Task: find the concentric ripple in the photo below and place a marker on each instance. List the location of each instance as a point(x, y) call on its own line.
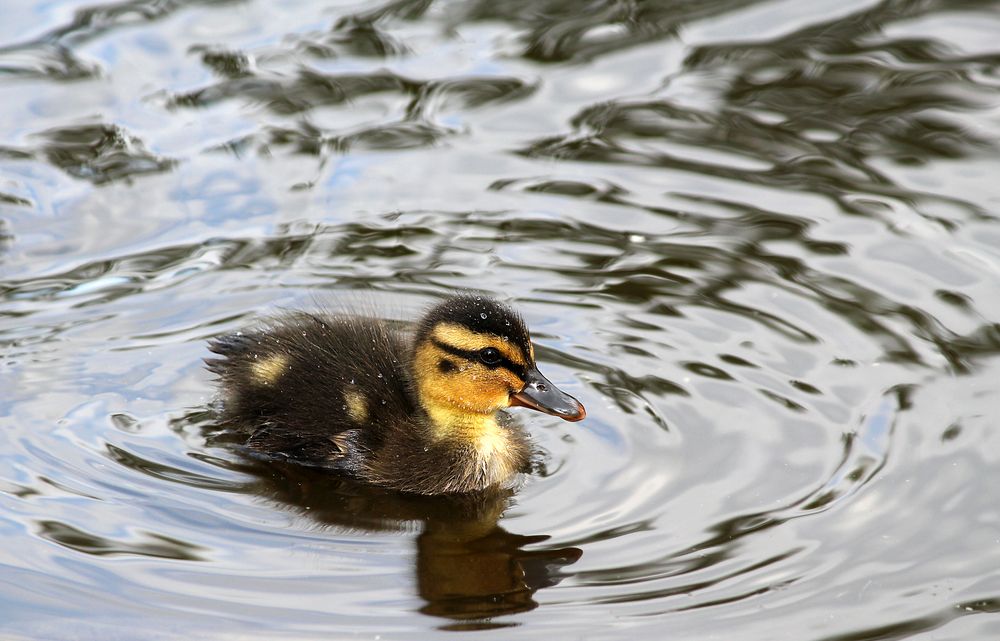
point(758, 240)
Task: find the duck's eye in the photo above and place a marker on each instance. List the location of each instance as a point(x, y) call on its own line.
point(490, 355)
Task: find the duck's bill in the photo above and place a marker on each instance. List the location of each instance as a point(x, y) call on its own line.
point(541, 395)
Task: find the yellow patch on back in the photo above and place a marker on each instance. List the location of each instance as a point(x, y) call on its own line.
point(269, 369)
point(464, 338)
point(357, 407)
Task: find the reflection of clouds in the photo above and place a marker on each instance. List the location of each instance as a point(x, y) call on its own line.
point(723, 213)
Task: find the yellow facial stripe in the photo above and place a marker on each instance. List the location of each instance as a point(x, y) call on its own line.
point(269, 369)
point(470, 341)
point(470, 389)
point(357, 408)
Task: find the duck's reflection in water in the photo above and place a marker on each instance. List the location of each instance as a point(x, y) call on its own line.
point(468, 568)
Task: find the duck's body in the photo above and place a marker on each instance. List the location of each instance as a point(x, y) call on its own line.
point(417, 414)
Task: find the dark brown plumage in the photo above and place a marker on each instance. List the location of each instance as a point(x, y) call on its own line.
point(414, 414)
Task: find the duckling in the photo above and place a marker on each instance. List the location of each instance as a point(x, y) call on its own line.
point(419, 413)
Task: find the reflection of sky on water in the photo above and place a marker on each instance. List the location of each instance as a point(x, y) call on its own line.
point(757, 240)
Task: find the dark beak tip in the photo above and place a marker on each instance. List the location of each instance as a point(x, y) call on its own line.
point(571, 414)
point(579, 415)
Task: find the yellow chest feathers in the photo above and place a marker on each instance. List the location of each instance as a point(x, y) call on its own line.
point(495, 455)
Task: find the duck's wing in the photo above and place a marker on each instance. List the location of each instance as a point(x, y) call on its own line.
point(314, 388)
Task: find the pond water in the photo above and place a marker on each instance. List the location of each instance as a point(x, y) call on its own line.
point(758, 239)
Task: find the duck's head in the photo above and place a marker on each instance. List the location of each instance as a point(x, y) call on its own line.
point(473, 356)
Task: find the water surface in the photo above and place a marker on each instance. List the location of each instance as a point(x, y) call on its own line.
point(758, 239)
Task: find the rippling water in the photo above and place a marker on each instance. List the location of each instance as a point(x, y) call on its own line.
point(758, 239)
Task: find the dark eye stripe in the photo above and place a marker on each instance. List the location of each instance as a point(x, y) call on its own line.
point(504, 362)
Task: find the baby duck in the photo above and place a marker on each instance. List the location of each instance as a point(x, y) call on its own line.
point(418, 414)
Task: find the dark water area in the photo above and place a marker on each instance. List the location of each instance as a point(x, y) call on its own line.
point(758, 239)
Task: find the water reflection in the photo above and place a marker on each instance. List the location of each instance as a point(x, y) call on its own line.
point(761, 233)
point(154, 545)
point(468, 568)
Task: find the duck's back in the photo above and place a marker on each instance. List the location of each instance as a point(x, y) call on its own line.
point(315, 388)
